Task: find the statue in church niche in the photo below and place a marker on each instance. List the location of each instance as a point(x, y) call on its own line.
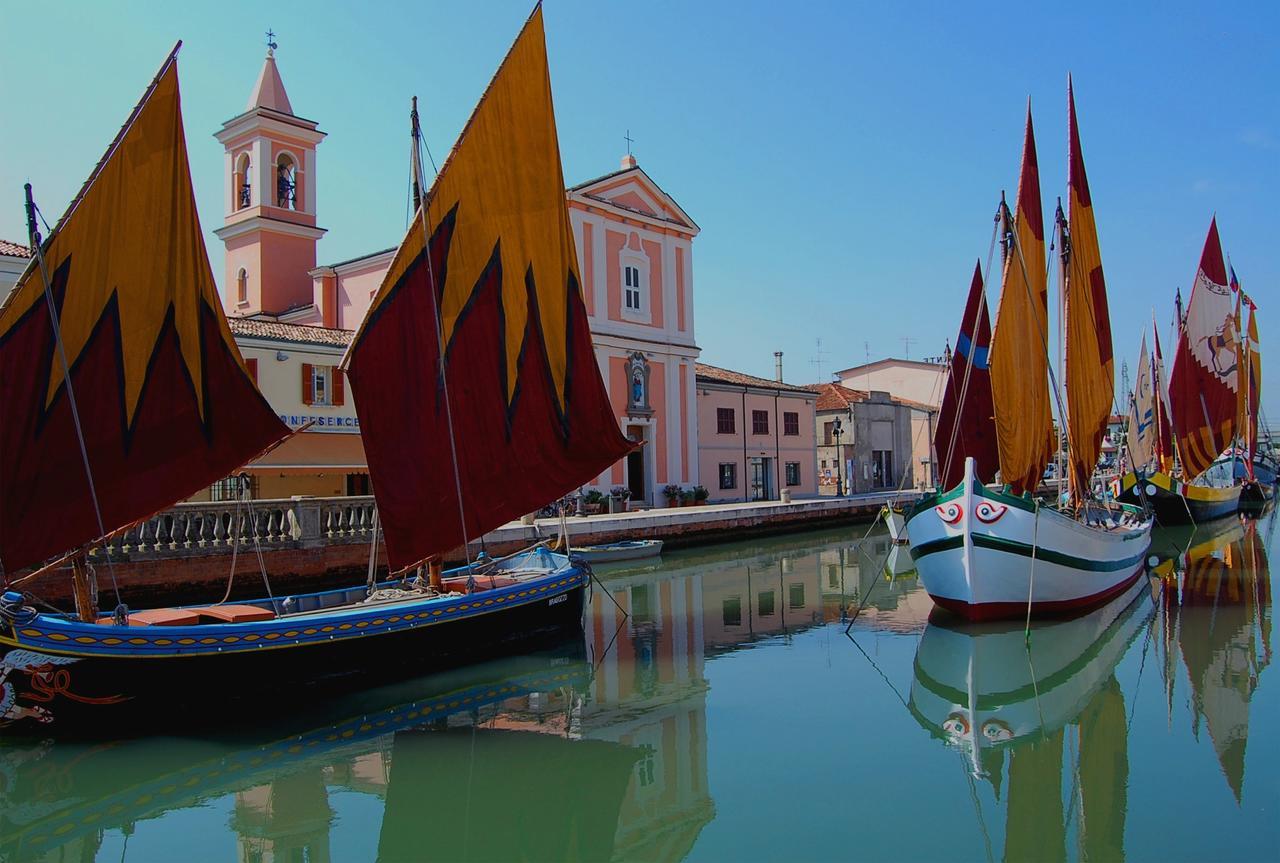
point(638, 387)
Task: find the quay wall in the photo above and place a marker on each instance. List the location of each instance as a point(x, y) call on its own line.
point(311, 544)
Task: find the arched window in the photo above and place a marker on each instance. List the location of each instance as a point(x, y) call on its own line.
point(242, 286)
point(243, 188)
point(286, 183)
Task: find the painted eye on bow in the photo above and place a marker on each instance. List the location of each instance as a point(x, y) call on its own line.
point(996, 731)
point(957, 725)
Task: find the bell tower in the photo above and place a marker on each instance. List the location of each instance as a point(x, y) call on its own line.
point(269, 229)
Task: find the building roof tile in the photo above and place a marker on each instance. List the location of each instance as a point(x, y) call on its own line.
point(259, 329)
point(14, 250)
point(715, 374)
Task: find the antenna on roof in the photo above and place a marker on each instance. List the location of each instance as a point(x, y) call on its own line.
point(907, 341)
point(271, 43)
point(817, 360)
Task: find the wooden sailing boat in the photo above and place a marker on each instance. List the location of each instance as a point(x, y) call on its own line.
point(166, 407)
point(1253, 461)
point(1204, 404)
point(986, 552)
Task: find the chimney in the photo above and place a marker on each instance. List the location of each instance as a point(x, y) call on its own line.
point(777, 366)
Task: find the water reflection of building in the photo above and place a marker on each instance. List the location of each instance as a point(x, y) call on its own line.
point(284, 820)
point(649, 693)
point(761, 597)
point(1216, 612)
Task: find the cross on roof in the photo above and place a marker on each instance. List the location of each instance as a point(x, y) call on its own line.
point(630, 140)
point(271, 40)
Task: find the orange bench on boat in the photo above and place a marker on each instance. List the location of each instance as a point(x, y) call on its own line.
point(234, 613)
point(160, 617)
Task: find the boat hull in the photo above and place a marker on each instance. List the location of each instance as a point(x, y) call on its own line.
point(72, 685)
point(896, 521)
point(1176, 502)
point(985, 555)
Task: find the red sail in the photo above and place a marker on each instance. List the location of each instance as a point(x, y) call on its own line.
point(165, 402)
point(966, 421)
point(1204, 384)
point(530, 417)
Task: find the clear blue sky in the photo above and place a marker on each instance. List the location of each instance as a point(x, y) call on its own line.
point(843, 160)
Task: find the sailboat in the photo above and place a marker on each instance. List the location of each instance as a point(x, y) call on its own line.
point(1252, 462)
point(1204, 404)
point(984, 551)
point(158, 404)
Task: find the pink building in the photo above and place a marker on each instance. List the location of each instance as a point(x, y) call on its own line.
point(635, 254)
point(756, 436)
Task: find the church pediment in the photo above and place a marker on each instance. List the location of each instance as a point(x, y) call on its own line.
point(633, 191)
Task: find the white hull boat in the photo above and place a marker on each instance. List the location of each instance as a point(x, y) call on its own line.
point(986, 555)
point(614, 552)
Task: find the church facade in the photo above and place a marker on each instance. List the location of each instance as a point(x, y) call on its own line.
point(635, 255)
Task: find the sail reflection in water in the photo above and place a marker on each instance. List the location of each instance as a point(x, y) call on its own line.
point(1215, 613)
point(1045, 721)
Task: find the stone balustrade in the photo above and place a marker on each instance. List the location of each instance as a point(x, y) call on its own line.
point(214, 527)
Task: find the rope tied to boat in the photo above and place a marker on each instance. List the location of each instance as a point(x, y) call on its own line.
point(14, 610)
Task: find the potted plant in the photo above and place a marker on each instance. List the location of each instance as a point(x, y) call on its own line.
point(686, 497)
point(592, 502)
point(700, 495)
point(618, 497)
point(672, 494)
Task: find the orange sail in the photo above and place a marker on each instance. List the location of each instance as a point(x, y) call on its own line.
point(1253, 382)
point(1019, 361)
point(474, 374)
point(1089, 366)
point(164, 400)
point(1205, 383)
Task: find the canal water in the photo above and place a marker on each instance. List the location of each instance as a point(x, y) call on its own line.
point(716, 709)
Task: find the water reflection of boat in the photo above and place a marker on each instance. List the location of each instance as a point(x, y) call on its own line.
point(983, 690)
point(1216, 613)
point(60, 798)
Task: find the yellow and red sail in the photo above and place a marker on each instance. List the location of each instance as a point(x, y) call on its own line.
point(1089, 364)
point(530, 417)
point(164, 400)
point(1204, 385)
point(1019, 361)
point(1253, 381)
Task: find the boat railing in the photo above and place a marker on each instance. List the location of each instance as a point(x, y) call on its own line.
point(216, 527)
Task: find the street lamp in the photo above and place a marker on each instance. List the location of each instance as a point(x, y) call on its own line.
point(836, 432)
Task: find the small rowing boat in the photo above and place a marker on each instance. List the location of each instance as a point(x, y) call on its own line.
point(613, 552)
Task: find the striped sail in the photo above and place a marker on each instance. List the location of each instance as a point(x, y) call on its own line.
point(1204, 385)
point(1019, 361)
point(1142, 414)
point(1089, 365)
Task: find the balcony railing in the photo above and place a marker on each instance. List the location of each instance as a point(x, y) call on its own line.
point(213, 528)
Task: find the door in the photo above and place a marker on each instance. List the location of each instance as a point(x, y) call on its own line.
point(761, 487)
point(636, 467)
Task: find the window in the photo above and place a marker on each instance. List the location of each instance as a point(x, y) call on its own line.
point(766, 603)
point(728, 475)
point(631, 294)
point(358, 484)
point(790, 423)
point(824, 464)
point(881, 468)
point(234, 487)
point(793, 473)
point(833, 577)
point(322, 385)
point(243, 188)
point(759, 422)
point(641, 604)
point(286, 183)
point(724, 421)
point(796, 597)
point(242, 287)
point(828, 433)
point(731, 610)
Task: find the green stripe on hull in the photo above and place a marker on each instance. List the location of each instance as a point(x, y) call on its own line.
point(1009, 546)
